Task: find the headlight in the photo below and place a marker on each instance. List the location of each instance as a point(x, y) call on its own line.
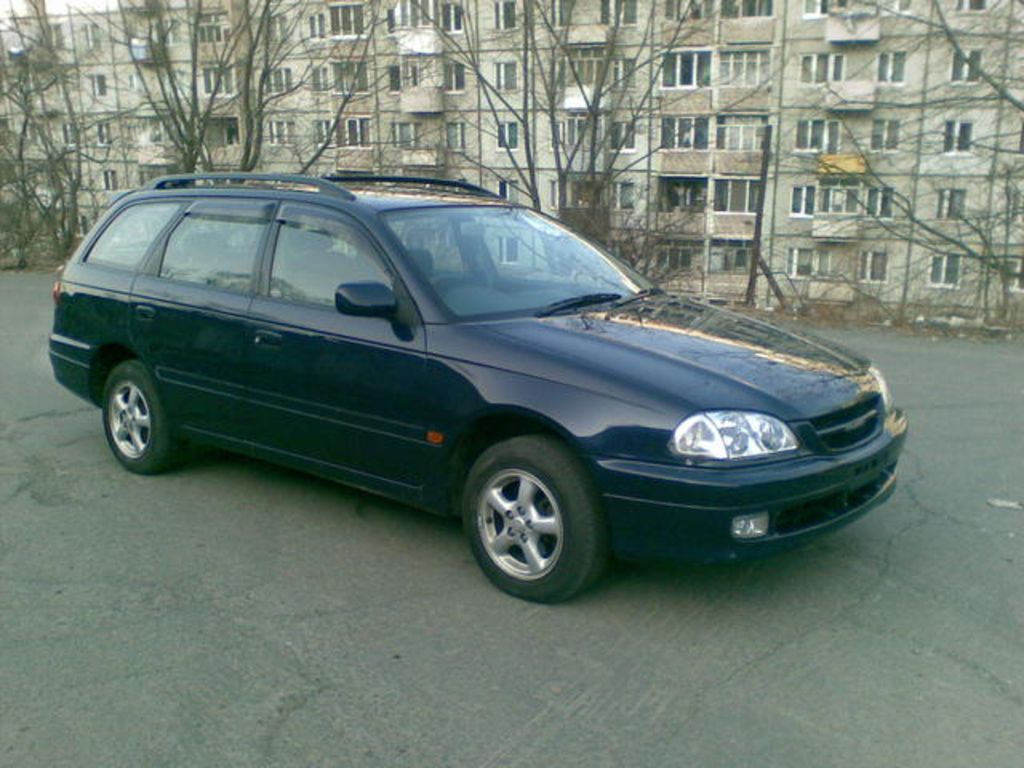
point(731, 435)
point(883, 388)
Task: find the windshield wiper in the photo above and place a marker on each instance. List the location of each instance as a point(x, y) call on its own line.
point(653, 291)
point(575, 302)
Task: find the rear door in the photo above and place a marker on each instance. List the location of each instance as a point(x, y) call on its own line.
point(188, 311)
point(342, 393)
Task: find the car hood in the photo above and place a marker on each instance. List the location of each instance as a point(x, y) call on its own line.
point(696, 356)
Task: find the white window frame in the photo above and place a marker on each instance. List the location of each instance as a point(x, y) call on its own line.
point(453, 17)
point(322, 132)
point(831, 136)
point(952, 204)
point(625, 195)
point(454, 76)
point(360, 127)
point(744, 69)
point(685, 127)
point(739, 133)
point(412, 141)
point(348, 20)
point(318, 26)
point(280, 80)
point(892, 68)
point(750, 201)
point(802, 201)
point(280, 132)
point(508, 136)
point(623, 136)
point(819, 263)
point(882, 129)
point(110, 180)
point(504, 17)
point(944, 261)
point(839, 197)
point(506, 76)
point(822, 68)
point(880, 202)
point(966, 69)
point(457, 130)
point(955, 133)
point(104, 134)
point(701, 62)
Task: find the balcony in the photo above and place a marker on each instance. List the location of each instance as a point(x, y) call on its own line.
point(415, 157)
point(852, 28)
point(685, 162)
point(851, 96)
point(577, 98)
point(422, 100)
point(748, 30)
point(842, 164)
point(140, 51)
point(733, 226)
point(419, 41)
point(682, 223)
point(836, 229)
point(738, 163)
point(587, 34)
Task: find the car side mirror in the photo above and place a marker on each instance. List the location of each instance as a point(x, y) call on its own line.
point(366, 299)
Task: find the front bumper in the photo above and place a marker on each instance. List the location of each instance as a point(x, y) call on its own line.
point(668, 511)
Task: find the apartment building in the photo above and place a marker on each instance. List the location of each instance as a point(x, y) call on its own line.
point(892, 177)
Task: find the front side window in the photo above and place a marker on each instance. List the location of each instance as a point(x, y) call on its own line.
point(314, 254)
point(125, 241)
point(213, 249)
point(490, 260)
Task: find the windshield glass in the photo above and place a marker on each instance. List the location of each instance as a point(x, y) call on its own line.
point(490, 260)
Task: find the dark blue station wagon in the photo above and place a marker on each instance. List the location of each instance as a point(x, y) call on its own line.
point(435, 344)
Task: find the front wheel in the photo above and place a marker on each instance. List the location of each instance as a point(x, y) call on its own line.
point(533, 520)
point(137, 428)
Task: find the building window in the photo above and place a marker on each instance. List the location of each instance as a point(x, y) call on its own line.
point(737, 9)
point(970, 5)
point(322, 131)
point(280, 131)
point(686, 69)
point(822, 68)
point(218, 81)
point(454, 76)
point(394, 78)
point(103, 134)
point(945, 271)
point(68, 132)
point(952, 203)
point(684, 133)
point(807, 262)
point(623, 74)
point(508, 135)
point(505, 76)
point(743, 68)
point(729, 256)
point(625, 195)
point(688, 194)
point(874, 267)
point(618, 11)
point(586, 64)
point(885, 134)
point(318, 26)
point(347, 20)
point(678, 257)
point(817, 135)
point(892, 67)
point(736, 195)
point(740, 132)
point(404, 135)
point(213, 28)
point(623, 136)
point(356, 132)
point(411, 14)
point(99, 85)
point(816, 7)
point(957, 136)
point(93, 35)
point(803, 201)
point(452, 17)
point(966, 67)
point(279, 29)
point(280, 80)
point(505, 14)
point(879, 202)
point(839, 196)
point(1015, 268)
point(455, 135)
point(110, 180)
point(351, 77)
point(320, 79)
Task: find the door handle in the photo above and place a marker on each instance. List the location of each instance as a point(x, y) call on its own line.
point(267, 339)
point(144, 312)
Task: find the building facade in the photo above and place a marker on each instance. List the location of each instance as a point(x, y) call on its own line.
point(891, 178)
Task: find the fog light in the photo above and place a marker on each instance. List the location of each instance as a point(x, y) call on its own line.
point(750, 526)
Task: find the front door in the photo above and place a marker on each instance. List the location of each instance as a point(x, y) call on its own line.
point(338, 392)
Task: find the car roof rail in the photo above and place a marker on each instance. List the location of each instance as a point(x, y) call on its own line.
point(465, 187)
point(292, 181)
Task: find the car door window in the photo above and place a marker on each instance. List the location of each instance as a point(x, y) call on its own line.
point(316, 253)
point(126, 239)
point(214, 249)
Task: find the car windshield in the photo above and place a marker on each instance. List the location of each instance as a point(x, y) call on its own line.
point(494, 260)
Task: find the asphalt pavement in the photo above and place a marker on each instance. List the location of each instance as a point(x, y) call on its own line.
point(232, 613)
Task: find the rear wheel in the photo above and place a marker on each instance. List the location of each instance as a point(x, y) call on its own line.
point(533, 520)
point(137, 428)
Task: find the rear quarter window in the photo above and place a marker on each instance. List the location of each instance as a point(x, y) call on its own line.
point(127, 238)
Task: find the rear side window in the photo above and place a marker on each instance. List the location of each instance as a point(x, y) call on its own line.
point(214, 250)
point(125, 241)
point(315, 254)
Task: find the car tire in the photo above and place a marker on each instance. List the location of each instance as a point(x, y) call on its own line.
point(137, 428)
point(534, 520)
